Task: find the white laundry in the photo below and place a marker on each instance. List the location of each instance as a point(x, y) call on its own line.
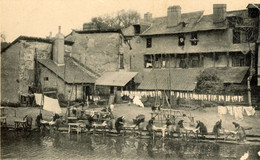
point(222, 110)
point(38, 98)
point(238, 113)
point(230, 110)
point(51, 104)
point(250, 111)
point(131, 96)
point(138, 102)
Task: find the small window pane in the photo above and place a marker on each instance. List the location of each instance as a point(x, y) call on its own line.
point(181, 40)
point(148, 42)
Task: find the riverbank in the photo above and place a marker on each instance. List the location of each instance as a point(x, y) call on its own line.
point(208, 116)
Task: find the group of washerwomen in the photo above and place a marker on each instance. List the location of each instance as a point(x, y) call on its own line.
point(201, 128)
point(119, 124)
point(56, 121)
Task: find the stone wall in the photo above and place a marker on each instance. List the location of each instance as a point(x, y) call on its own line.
point(99, 51)
point(10, 74)
point(68, 90)
point(27, 63)
point(18, 67)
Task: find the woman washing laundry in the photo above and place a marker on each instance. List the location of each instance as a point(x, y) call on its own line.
point(202, 128)
point(180, 127)
point(240, 132)
point(149, 126)
point(119, 123)
point(217, 127)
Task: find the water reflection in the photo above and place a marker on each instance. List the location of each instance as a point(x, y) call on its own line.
point(45, 145)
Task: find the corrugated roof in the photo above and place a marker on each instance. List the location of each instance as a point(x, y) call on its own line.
point(74, 73)
point(115, 78)
point(231, 74)
point(181, 79)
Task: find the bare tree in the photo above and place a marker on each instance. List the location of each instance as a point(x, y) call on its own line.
point(120, 20)
point(3, 37)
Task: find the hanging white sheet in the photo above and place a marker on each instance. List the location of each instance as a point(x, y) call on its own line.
point(250, 111)
point(38, 98)
point(51, 105)
point(222, 110)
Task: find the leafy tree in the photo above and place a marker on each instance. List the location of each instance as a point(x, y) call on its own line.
point(121, 19)
point(209, 83)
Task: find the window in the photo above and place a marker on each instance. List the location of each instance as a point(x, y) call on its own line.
point(238, 60)
point(236, 36)
point(46, 78)
point(194, 39)
point(137, 29)
point(183, 63)
point(242, 62)
point(121, 61)
point(244, 36)
point(148, 42)
point(164, 61)
point(194, 61)
point(181, 40)
point(148, 61)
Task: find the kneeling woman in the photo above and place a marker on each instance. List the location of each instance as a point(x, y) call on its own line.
point(119, 123)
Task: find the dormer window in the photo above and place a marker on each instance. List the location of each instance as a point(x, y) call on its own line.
point(181, 40)
point(137, 29)
point(149, 43)
point(194, 39)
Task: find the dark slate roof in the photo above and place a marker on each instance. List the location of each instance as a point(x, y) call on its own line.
point(231, 74)
point(195, 21)
point(4, 45)
point(253, 6)
point(74, 73)
point(97, 31)
point(186, 79)
point(34, 39)
point(181, 79)
point(130, 31)
point(94, 31)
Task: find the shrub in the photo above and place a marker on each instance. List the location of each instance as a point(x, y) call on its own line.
point(209, 83)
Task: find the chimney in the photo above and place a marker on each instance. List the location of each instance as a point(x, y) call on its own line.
point(58, 48)
point(148, 17)
point(89, 26)
point(219, 13)
point(173, 16)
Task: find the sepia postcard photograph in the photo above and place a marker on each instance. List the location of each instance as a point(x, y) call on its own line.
point(130, 79)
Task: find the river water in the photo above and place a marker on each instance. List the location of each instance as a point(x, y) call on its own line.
point(56, 145)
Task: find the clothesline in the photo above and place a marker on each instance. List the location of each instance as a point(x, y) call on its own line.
point(185, 95)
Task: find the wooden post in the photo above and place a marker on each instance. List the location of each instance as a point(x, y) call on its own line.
point(227, 56)
point(200, 60)
point(170, 88)
point(175, 60)
point(245, 64)
point(214, 59)
point(187, 60)
point(76, 88)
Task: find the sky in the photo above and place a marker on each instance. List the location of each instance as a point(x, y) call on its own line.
point(38, 18)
